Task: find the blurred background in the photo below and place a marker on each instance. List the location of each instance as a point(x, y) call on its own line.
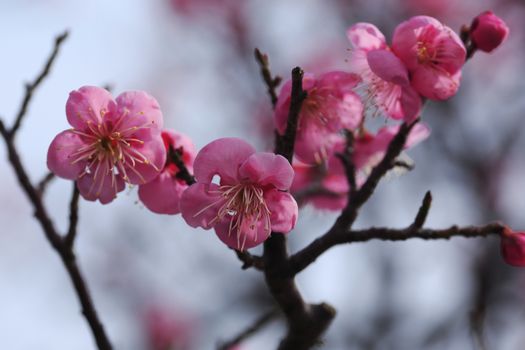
point(160, 285)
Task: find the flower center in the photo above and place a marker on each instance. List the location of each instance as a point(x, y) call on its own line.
point(424, 54)
point(245, 208)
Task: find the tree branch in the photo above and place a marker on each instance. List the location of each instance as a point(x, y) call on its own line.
point(250, 260)
point(422, 213)
point(42, 184)
point(300, 260)
point(271, 82)
point(30, 88)
point(69, 239)
point(175, 155)
point(251, 330)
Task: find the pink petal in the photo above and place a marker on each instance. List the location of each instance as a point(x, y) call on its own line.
point(222, 157)
point(513, 247)
point(366, 36)
point(200, 204)
point(313, 145)
point(404, 41)
point(434, 84)
point(252, 233)
point(410, 104)
point(103, 188)
point(162, 194)
point(178, 140)
point(342, 82)
point(387, 66)
point(265, 168)
point(137, 109)
point(155, 153)
point(59, 155)
point(284, 210)
point(86, 105)
point(420, 132)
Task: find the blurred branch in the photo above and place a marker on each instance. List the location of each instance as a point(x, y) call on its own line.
point(34, 195)
point(176, 157)
point(30, 88)
point(251, 330)
point(42, 184)
point(271, 82)
point(422, 213)
point(348, 163)
point(250, 260)
point(69, 239)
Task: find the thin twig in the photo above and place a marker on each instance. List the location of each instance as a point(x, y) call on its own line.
point(271, 82)
point(42, 184)
point(422, 213)
point(250, 260)
point(251, 330)
point(30, 88)
point(347, 159)
point(69, 239)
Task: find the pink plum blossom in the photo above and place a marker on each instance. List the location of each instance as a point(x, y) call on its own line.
point(330, 107)
point(111, 142)
point(162, 194)
point(386, 85)
point(326, 186)
point(433, 54)
point(248, 202)
point(165, 330)
point(488, 31)
point(513, 247)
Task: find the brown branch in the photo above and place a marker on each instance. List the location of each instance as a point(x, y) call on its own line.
point(175, 155)
point(285, 143)
point(66, 254)
point(250, 260)
point(271, 82)
point(302, 259)
point(422, 213)
point(69, 239)
point(42, 184)
point(306, 322)
point(34, 195)
point(347, 159)
point(30, 88)
point(251, 330)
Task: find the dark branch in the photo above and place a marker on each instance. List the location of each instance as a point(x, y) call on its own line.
point(175, 155)
point(271, 81)
point(422, 213)
point(250, 260)
point(69, 239)
point(286, 142)
point(251, 330)
point(30, 88)
point(42, 184)
point(347, 159)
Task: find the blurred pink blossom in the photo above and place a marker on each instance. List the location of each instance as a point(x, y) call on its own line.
point(386, 85)
point(433, 54)
point(248, 202)
point(326, 186)
point(330, 107)
point(162, 194)
point(111, 142)
point(165, 331)
point(488, 31)
point(513, 247)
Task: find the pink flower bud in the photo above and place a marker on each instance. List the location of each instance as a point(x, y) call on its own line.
point(513, 247)
point(488, 31)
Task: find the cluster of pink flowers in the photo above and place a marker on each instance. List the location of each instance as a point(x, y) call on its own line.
point(243, 194)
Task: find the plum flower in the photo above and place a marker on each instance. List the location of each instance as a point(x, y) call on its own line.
point(488, 31)
point(513, 247)
point(111, 142)
point(248, 202)
point(331, 106)
point(326, 186)
point(386, 85)
point(162, 194)
point(433, 54)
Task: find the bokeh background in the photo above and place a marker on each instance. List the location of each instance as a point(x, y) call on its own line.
point(153, 277)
